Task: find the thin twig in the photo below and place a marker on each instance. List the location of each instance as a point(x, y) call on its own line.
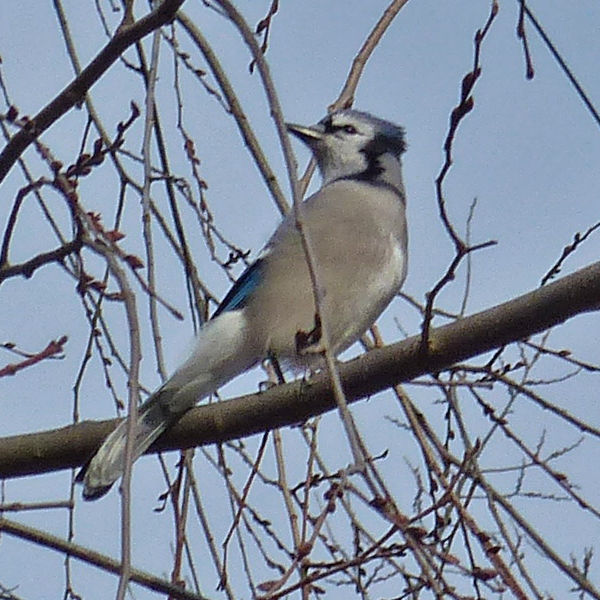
point(149, 122)
point(463, 108)
point(237, 111)
point(133, 385)
point(563, 65)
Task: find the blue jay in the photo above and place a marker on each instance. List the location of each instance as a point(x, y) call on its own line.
point(357, 227)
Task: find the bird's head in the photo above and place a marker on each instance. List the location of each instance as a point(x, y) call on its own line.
point(352, 144)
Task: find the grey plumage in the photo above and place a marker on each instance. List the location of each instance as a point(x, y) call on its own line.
point(357, 227)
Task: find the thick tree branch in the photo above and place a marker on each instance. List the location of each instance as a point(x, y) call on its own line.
point(75, 92)
point(287, 404)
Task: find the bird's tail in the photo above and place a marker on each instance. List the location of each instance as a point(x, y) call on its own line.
point(107, 465)
point(223, 351)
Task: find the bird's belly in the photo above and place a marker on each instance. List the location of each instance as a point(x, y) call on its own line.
point(346, 313)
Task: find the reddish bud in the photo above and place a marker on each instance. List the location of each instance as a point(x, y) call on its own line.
point(484, 574)
point(114, 235)
point(133, 261)
point(417, 532)
point(12, 114)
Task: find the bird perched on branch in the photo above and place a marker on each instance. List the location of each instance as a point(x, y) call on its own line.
point(356, 226)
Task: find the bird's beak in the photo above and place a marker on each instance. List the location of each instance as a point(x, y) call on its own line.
point(310, 135)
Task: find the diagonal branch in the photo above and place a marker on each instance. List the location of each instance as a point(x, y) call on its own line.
point(288, 404)
point(75, 92)
point(92, 557)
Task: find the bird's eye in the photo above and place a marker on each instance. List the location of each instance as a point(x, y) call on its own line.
point(350, 129)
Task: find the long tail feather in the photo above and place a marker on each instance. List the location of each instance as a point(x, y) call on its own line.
point(223, 351)
point(107, 465)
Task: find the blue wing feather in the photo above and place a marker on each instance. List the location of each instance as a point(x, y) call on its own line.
point(242, 289)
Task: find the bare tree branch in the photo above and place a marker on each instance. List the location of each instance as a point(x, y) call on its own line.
point(94, 558)
point(75, 92)
point(283, 405)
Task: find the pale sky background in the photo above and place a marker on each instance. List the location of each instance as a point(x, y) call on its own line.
point(529, 153)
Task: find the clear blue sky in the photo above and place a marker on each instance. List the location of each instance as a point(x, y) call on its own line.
point(528, 153)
